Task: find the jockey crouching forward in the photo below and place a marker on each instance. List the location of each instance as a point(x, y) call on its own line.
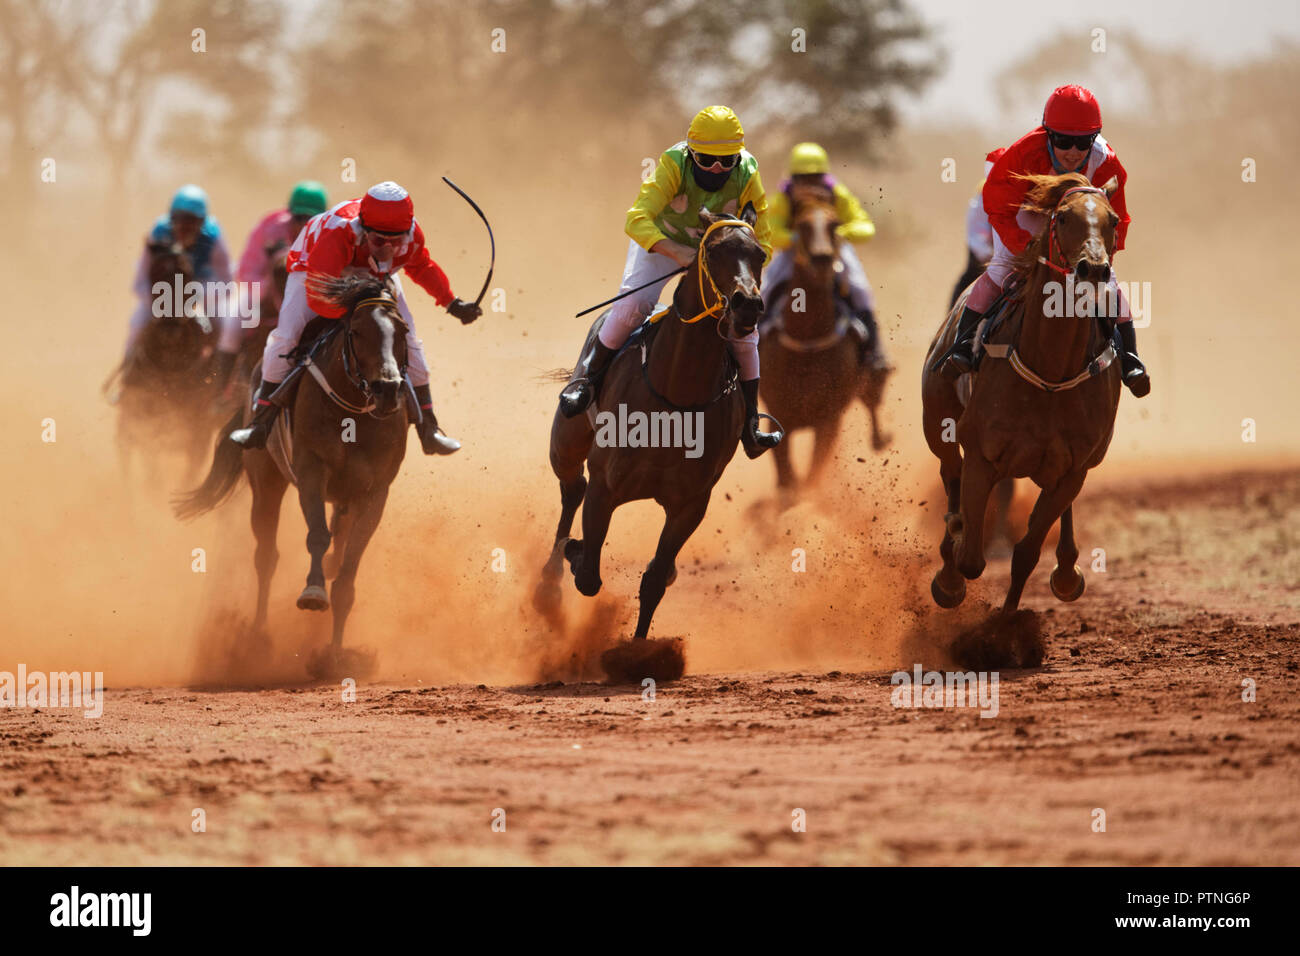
point(189, 226)
point(1069, 140)
point(811, 166)
point(376, 234)
point(711, 168)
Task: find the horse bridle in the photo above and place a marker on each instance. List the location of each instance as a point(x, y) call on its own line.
point(350, 361)
point(1053, 243)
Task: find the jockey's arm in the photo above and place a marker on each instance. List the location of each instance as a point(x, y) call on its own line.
point(855, 222)
point(656, 193)
point(753, 193)
point(426, 273)
point(778, 216)
point(1002, 197)
point(331, 254)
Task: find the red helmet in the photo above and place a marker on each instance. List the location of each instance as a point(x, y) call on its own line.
point(1072, 109)
point(387, 207)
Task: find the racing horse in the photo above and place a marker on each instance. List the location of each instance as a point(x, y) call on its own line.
point(810, 358)
point(344, 444)
point(164, 384)
point(1042, 403)
point(684, 370)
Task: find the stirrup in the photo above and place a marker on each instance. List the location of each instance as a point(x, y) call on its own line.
point(756, 441)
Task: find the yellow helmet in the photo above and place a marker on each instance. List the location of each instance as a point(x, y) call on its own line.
point(809, 158)
point(716, 131)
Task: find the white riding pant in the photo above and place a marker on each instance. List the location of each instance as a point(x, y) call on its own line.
point(629, 312)
point(295, 314)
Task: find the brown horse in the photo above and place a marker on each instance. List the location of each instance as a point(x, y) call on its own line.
point(165, 384)
point(1042, 404)
point(685, 374)
point(810, 356)
point(348, 438)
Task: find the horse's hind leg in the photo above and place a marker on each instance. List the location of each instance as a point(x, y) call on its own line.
point(1050, 506)
point(268, 494)
point(1066, 580)
point(679, 526)
point(340, 526)
point(344, 591)
point(311, 496)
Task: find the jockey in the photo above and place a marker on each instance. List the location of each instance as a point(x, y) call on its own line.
point(979, 233)
point(710, 168)
point(810, 166)
point(279, 229)
point(379, 234)
point(189, 226)
point(1068, 140)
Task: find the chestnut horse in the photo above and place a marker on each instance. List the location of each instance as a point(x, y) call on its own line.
point(686, 369)
point(810, 358)
point(1042, 403)
point(348, 439)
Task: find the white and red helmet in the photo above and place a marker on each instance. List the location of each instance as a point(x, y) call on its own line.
point(387, 207)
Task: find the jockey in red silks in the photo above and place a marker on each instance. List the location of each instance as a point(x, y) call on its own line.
point(1069, 140)
point(378, 234)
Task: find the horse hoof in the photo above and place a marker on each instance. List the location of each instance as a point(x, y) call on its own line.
point(945, 599)
point(313, 598)
point(1067, 594)
point(572, 550)
point(587, 586)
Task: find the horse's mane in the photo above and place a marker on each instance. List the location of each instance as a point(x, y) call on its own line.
point(346, 291)
point(1045, 192)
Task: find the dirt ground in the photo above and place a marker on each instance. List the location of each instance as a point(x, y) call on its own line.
point(1137, 710)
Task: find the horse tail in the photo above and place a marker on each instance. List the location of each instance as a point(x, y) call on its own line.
point(223, 476)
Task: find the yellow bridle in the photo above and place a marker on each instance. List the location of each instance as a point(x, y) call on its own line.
point(705, 274)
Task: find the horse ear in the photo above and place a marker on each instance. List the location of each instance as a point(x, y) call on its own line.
point(749, 214)
point(1111, 187)
point(707, 217)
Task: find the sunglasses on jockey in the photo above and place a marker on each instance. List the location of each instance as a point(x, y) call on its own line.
point(714, 164)
point(381, 238)
point(1068, 141)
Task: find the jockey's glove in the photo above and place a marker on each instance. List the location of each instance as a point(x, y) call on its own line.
point(467, 312)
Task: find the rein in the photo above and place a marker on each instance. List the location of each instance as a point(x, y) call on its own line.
point(1052, 241)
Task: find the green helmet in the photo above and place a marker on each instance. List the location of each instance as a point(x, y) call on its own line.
point(308, 199)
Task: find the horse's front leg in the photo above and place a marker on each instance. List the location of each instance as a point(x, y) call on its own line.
point(311, 496)
point(827, 435)
point(1067, 580)
point(1051, 505)
point(978, 476)
point(361, 528)
point(679, 525)
point(584, 555)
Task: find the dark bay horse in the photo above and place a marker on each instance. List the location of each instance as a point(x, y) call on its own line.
point(686, 370)
point(347, 441)
point(165, 388)
point(810, 358)
point(1041, 404)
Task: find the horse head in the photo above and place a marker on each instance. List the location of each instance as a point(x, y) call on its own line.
point(813, 223)
point(374, 341)
point(1080, 234)
point(732, 261)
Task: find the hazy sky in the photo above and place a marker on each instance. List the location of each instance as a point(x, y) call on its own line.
point(982, 36)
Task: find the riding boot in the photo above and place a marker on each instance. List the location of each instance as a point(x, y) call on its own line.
point(255, 434)
point(1135, 373)
point(755, 441)
point(578, 395)
point(870, 354)
point(961, 358)
point(432, 439)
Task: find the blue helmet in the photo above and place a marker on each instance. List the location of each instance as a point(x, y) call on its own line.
point(190, 199)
